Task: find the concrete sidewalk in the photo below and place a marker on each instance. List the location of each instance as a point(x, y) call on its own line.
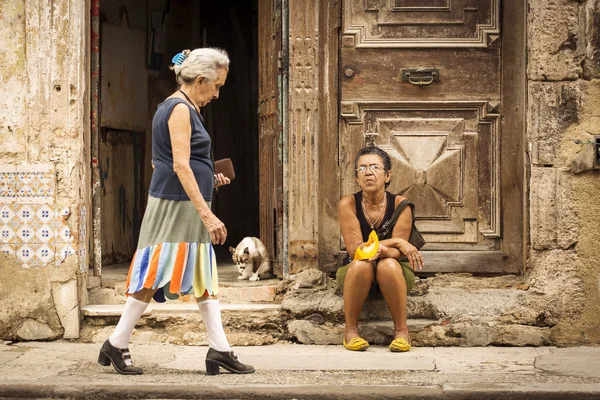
point(291, 371)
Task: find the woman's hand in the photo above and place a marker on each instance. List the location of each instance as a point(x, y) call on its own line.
point(214, 226)
point(412, 253)
point(221, 180)
point(380, 250)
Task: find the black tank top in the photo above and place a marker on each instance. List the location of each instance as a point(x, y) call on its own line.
point(365, 227)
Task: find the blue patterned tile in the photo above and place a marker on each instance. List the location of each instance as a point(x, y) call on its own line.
point(35, 184)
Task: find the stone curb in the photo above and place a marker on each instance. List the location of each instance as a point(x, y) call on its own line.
point(91, 390)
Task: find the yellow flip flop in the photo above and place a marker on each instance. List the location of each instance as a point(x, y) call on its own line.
point(356, 344)
point(399, 345)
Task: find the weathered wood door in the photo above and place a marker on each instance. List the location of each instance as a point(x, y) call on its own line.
point(270, 129)
point(430, 82)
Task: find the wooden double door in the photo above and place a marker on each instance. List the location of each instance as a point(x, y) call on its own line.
point(439, 85)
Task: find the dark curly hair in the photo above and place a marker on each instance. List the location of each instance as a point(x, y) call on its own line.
point(385, 157)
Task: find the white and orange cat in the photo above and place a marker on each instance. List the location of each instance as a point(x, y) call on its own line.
point(251, 259)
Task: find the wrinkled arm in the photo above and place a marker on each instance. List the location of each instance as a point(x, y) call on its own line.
point(180, 131)
point(400, 236)
point(349, 225)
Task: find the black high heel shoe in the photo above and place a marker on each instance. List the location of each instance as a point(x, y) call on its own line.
point(227, 360)
point(109, 353)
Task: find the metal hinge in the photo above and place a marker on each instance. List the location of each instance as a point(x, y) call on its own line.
point(280, 59)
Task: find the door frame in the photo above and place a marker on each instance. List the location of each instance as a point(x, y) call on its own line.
point(273, 131)
point(513, 184)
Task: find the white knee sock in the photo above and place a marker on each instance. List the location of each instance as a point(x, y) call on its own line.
point(132, 312)
point(211, 315)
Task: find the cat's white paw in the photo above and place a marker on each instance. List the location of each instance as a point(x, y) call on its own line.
point(241, 278)
point(254, 278)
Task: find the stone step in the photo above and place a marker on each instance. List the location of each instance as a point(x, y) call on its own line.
point(484, 305)
point(375, 332)
point(181, 323)
point(426, 332)
point(245, 324)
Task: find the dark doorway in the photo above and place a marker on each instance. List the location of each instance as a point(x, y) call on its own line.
point(130, 91)
point(233, 119)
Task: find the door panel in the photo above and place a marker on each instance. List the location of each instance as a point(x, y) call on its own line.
point(420, 23)
point(422, 80)
point(269, 109)
point(377, 73)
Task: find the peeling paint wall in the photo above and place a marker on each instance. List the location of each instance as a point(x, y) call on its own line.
point(12, 75)
point(44, 146)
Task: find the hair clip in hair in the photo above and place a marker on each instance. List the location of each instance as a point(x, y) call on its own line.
point(179, 59)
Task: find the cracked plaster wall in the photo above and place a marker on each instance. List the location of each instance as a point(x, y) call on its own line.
point(44, 175)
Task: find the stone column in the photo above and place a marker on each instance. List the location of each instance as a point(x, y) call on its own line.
point(303, 145)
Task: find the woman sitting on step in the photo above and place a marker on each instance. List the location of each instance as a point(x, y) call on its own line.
point(360, 213)
point(175, 250)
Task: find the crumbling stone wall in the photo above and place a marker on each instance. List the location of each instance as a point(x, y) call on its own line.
point(44, 175)
point(564, 192)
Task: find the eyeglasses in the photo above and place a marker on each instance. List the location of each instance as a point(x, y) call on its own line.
point(373, 167)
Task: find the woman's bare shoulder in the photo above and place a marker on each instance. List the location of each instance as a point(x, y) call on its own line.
point(399, 199)
point(180, 114)
point(347, 202)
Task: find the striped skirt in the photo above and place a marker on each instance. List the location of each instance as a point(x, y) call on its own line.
point(174, 254)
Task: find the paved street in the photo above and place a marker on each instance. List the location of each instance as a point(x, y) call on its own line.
point(290, 371)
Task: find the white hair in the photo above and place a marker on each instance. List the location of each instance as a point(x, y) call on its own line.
point(205, 62)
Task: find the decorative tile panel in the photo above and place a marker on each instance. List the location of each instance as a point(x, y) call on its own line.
point(45, 254)
point(7, 184)
point(30, 226)
point(63, 251)
point(35, 184)
point(26, 255)
point(7, 248)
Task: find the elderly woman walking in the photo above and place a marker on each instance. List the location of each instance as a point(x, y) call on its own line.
point(175, 254)
point(386, 272)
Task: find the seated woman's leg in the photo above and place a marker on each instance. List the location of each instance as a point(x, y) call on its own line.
point(358, 281)
point(392, 284)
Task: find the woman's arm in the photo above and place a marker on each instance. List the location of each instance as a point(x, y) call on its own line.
point(349, 224)
point(180, 131)
point(398, 244)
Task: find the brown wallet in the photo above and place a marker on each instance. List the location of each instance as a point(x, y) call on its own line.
point(225, 166)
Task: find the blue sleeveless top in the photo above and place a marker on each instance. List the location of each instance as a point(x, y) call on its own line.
point(165, 184)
